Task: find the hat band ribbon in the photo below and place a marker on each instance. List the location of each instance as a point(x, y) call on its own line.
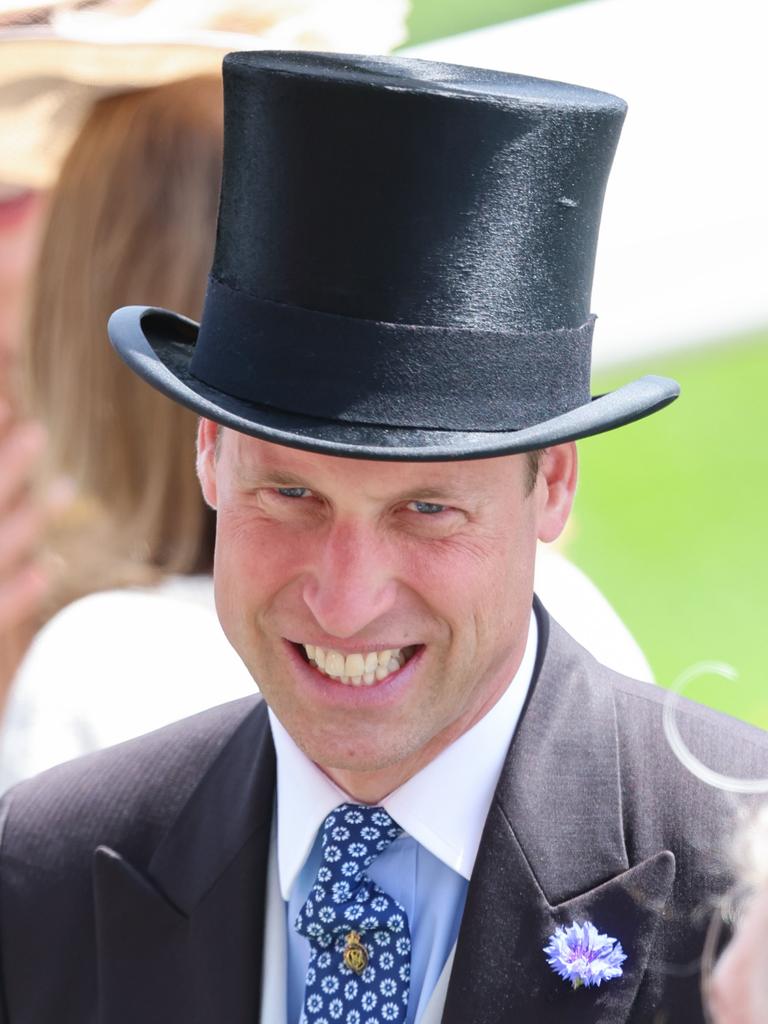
point(390, 374)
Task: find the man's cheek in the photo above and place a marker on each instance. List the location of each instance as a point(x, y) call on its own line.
point(253, 555)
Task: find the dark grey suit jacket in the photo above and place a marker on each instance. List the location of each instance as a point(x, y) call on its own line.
point(132, 881)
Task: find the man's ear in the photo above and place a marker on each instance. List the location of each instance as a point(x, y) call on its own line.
point(556, 489)
point(207, 451)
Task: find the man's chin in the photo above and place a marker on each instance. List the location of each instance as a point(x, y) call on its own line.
point(337, 757)
point(340, 757)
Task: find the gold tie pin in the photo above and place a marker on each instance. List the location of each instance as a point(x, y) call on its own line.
point(355, 953)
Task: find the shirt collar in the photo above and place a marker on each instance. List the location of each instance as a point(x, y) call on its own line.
point(444, 806)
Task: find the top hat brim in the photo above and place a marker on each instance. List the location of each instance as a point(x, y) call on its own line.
point(158, 345)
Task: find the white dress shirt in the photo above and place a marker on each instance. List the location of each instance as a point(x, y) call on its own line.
point(442, 811)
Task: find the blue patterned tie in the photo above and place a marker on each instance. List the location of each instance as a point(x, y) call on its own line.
point(360, 943)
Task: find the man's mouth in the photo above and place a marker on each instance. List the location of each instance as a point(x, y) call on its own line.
point(363, 668)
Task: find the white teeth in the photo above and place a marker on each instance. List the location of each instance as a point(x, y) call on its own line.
point(358, 669)
point(334, 663)
point(371, 661)
point(355, 665)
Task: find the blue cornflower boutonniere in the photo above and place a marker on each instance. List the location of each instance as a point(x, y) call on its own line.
point(581, 955)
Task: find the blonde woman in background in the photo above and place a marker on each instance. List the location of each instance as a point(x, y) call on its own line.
point(146, 163)
point(22, 577)
point(137, 536)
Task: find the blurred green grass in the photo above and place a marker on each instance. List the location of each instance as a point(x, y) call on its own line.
point(433, 19)
point(670, 521)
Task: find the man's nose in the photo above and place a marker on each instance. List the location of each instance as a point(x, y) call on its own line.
point(350, 585)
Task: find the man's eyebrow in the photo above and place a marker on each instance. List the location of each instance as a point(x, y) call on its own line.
point(448, 495)
point(265, 476)
point(426, 493)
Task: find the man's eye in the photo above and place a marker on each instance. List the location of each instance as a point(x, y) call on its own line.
point(293, 492)
point(426, 508)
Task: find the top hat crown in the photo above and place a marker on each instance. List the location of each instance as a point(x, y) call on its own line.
point(403, 264)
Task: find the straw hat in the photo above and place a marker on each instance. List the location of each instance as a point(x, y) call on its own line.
point(58, 58)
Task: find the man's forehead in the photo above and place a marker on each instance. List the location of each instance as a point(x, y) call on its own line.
point(255, 457)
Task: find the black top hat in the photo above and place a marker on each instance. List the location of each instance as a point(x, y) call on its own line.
point(403, 265)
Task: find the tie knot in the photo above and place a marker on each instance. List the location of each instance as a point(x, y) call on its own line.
point(359, 937)
point(343, 896)
point(353, 836)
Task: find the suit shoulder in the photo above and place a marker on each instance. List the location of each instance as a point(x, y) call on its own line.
point(639, 702)
point(127, 794)
point(646, 714)
point(671, 751)
point(729, 740)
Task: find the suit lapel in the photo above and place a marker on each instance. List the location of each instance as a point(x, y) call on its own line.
point(553, 851)
point(183, 939)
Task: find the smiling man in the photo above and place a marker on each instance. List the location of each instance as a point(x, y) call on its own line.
point(436, 782)
point(383, 606)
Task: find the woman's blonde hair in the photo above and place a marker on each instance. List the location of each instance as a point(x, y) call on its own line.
point(132, 220)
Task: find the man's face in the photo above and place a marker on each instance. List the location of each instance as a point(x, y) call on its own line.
point(432, 562)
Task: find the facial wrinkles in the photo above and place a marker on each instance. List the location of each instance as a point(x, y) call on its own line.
point(353, 574)
point(387, 483)
point(351, 560)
